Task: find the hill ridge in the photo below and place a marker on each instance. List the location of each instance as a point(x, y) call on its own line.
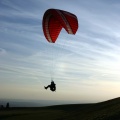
point(106, 110)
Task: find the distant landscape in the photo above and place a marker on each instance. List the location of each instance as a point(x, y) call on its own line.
point(106, 110)
point(34, 103)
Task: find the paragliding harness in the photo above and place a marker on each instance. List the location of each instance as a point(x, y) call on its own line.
point(52, 86)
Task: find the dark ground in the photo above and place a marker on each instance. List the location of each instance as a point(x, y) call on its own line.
point(108, 110)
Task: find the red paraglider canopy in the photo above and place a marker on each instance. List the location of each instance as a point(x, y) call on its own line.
point(54, 20)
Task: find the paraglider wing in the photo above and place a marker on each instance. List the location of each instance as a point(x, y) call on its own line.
point(54, 20)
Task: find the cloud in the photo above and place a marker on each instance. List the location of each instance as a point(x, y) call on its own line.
point(85, 61)
point(2, 51)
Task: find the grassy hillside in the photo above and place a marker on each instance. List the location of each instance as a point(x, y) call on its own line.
point(108, 110)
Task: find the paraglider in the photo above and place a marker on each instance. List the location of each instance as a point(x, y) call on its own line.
point(54, 20)
point(52, 86)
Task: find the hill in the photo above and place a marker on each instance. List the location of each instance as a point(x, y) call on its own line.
point(107, 110)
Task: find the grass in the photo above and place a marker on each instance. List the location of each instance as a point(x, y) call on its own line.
point(30, 114)
point(108, 110)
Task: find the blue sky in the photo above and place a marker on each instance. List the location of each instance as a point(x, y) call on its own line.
point(84, 66)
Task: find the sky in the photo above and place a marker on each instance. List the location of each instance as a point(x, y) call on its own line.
point(84, 66)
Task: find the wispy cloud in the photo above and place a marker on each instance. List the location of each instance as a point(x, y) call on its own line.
point(89, 58)
point(2, 51)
